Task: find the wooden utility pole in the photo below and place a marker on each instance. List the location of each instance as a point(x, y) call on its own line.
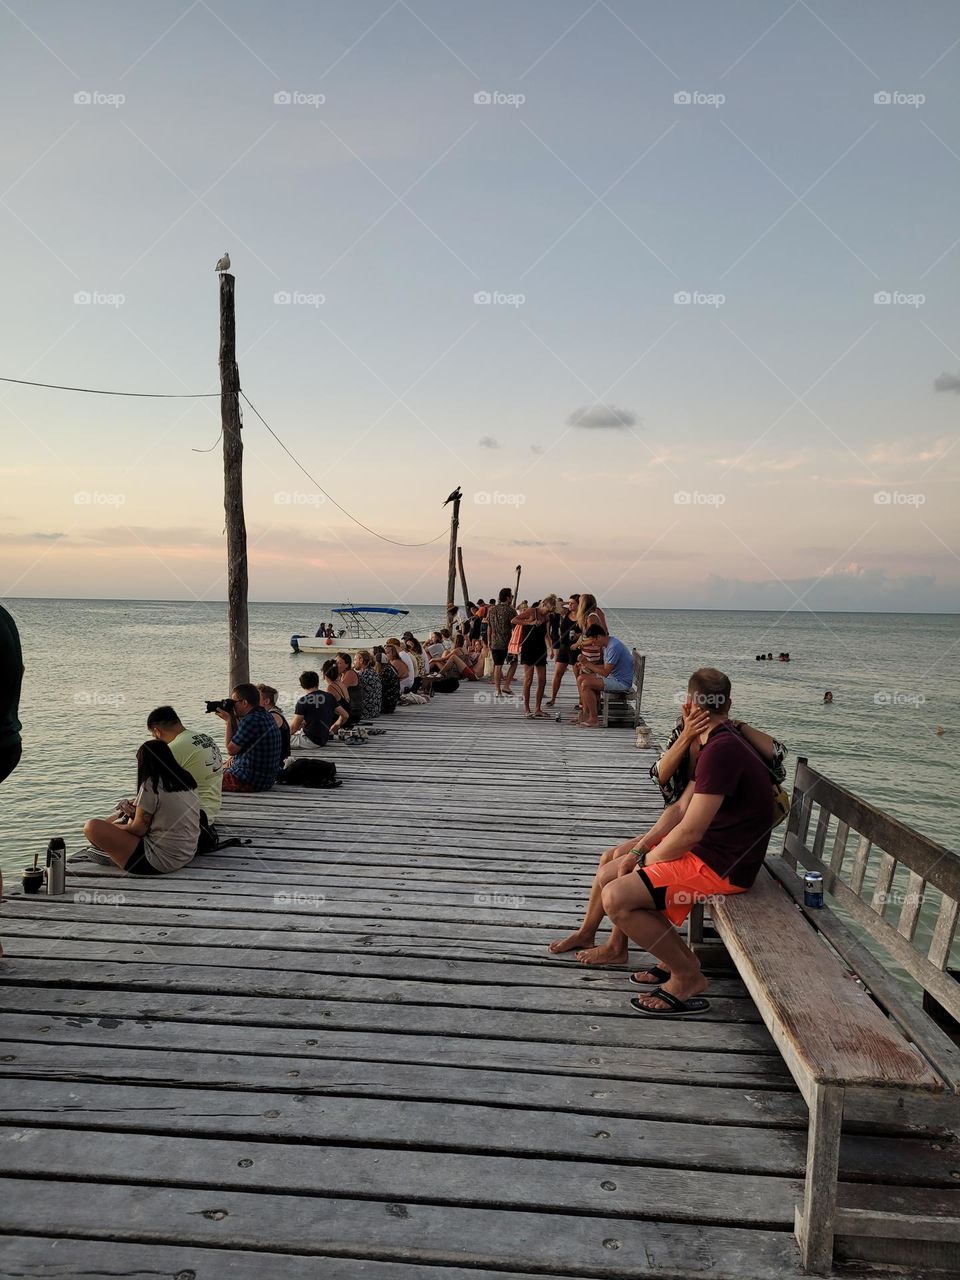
point(516, 589)
point(463, 578)
point(452, 562)
point(239, 630)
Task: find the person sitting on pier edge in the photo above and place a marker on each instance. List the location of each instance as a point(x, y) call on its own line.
point(401, 662)
point(389, 683)
point(253, 742)
point(195, 752)
point(456, 663)
point(371, 690)
point(158, 832)
point(315, 711)
point(613, 674)
point(712, 841)
point(331, 673)
point(268, 700)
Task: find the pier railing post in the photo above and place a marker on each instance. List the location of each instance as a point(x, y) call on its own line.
point(237, 621)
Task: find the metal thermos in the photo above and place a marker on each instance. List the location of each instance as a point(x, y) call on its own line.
point(56, 866)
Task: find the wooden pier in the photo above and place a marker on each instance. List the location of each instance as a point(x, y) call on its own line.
point(344, 1050)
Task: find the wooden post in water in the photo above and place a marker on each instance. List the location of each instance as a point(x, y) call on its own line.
point(516, 589)
point(463, 577)
point(238, 625)
point(452, 561)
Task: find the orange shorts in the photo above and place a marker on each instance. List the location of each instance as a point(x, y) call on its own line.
point(679, 885)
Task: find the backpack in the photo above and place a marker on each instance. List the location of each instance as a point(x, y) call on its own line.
point(310, 773)
point(209, 841)
point(447, 684)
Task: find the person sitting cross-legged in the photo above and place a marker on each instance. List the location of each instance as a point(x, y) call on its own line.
point(711, 842)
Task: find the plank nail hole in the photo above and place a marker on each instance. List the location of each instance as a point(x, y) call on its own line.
point(313, 1042)
point(611, 1244)
point(271, 1115)
point(293, 1074)
point(245, 1163)
point(594, 1026)
point(9, 1057)
point(595, 1062)
point(185, 1275)
point(955, 1173)
point(215, 1215)
point(398, 1211)
point(600, 1093)
point(601, 1133)
point(608, 1186)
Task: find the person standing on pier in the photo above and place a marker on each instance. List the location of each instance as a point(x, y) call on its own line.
point(11, 679)
point(499, 625)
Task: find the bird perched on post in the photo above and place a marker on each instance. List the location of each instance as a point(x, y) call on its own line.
point(457, 493)
point(223, 264)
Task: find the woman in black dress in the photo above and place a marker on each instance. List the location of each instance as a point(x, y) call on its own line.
point(568, 632)
point(533, 652)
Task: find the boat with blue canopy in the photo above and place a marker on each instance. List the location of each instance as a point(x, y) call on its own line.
point(356, 626)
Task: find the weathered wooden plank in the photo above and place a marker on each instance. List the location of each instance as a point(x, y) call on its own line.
point(386, 1018)
point(558, 1244)
point(143, 967)
point(676, 1099)
point(664, 1062)
point(612, 1189)
point(943, 933)
point(464, 1127)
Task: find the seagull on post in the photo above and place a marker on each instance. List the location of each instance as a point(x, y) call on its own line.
point(455, 496)
point(223, 264)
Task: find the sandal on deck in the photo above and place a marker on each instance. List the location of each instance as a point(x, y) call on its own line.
point(678, 1008)
point(659, 976)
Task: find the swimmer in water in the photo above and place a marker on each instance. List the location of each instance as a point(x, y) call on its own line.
point(828, 696)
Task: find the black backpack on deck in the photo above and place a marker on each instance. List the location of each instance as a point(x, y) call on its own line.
point(310, 773)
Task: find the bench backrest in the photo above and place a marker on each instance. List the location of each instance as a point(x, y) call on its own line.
point(639, 669)
point(880, 873)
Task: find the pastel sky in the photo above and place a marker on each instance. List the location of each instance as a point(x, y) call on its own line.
point(665, 287)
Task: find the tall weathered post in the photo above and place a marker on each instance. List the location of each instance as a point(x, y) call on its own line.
point(238, 624)
point(452, 562)
point(516, 589)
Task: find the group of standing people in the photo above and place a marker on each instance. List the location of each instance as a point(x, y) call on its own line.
point(572, 632)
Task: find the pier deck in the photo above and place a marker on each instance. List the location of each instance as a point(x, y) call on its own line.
point(344, 1051)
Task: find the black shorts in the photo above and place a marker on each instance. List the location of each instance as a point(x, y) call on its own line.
point(566, 656)
point(499, 657)
point(9, 759)
point(138, 865)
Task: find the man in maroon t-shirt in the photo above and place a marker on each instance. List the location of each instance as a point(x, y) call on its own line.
point(712, 841)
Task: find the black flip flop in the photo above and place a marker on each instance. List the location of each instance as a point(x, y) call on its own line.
point(659, 976)
point(678, 1008)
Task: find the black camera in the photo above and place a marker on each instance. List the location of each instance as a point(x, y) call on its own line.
point(220, 704)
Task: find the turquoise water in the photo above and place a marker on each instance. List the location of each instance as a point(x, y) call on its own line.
point(95, 668)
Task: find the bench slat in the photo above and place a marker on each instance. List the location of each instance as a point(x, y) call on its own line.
point(825, 1025)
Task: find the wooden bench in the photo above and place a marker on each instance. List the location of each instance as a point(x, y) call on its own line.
point(633, 694)
point(852, 1035)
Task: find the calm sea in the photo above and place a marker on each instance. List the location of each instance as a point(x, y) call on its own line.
point(94, 668)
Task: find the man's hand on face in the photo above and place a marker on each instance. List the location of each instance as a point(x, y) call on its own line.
point(224, 715)
point(696, 720)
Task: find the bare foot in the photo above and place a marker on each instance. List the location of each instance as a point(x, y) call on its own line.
point(683, 987)
point(579, 938)
point(603, 955)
